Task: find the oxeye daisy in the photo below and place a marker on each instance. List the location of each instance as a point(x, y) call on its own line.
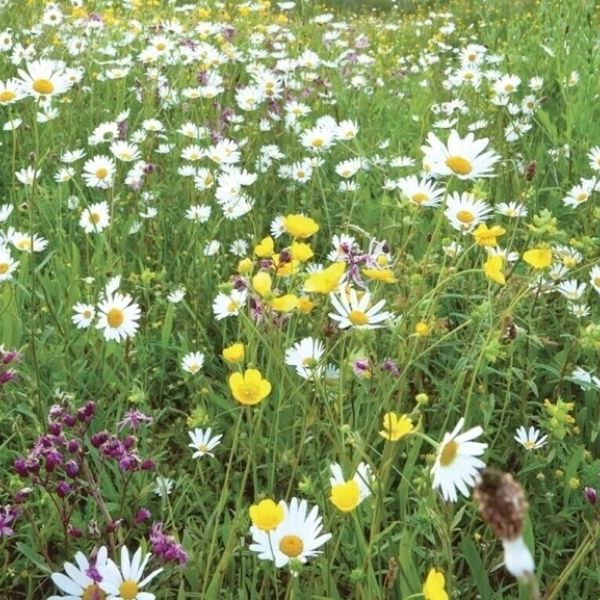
point(118, 316)
point(465, 212)
point(595, 278)
point(81, 580)
point(10, 92)
point(530, 439)
point(44, 78)
point(456, 465)
point(192, 362)
point(203, 442)
point(356, 313)
point(463, 158)
point(422, 192)
point(297, 538)
point(7, 264)
point(95, 218)
point(305, 356)
point(126, 583)
point(84, 315)
point(99, 172)
point(347, 495)
point(228, 305)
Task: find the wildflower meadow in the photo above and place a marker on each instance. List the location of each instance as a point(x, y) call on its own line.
point(299, 300)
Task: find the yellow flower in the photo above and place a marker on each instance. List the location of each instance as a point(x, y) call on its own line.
point(433, 588)
point(485, 236)
point(538, 258)
point(300, 226)
point(305, 305)
point(244, 266)
point(345, 496)
point(265, 248)
point(384, 275)
point(395, 427)
point(249, 388)
point(422, 329)
point(285, 303)
point(301, 251)
point(262, 283)
point(325, 282)
point(266, 515)
point(285, 269)
point(234, 353)
point(492, 268)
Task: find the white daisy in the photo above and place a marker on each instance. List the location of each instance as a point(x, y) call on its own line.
point(228, 305)
point(357, 313)
point(118, 316)
point(530, 438)
point(77, 583)
point(192, 362)
point(296, 538)
point(5, 212)
point(420, 192)
point(465, 212)
point(595, 277)
point(163, 486)
point(202, 442)
point(463, 158)
point(84, 315)
point(44, 78)
point(99, 171)
point(305, 356)
point(127, 582)
point(7, 264)
point(95, 218)
point(456, 465)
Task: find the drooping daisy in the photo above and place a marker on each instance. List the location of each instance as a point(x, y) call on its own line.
point(305, 356)
point(84, 315)
point(99, 171)
point(297, 538)
point(530, 438)
point(456, 465)
point(465, 212)
point(203, 442)
point(571, 289)
point(95, 218)
point(10, 92)
point(463, 158)
point(118, 316)
point(421, 192)
point(44, 78)
point(192, 362)
point(27, 242)
point(5, 211)
point(356, 313)
point(81, 581)
point(127, 582)
point(347, 495)
point(512, 210)
point(595, 278)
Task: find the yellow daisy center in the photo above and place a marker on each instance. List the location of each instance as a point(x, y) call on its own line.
point(202, 448)
point(596, 280)
point(509, 87)
point(291, 545)
point(469, 75)
point(530, 445)
point(232, 306)
point(86, 314)
point(101, 173)
point(93, 592)
point(318, 142)
point(128, 590)
point(581, 196)
point(95, 218)
point(358, 317)
point(7, 96)
point(458, 164)
point(24, 244)
point(3, 268)
point(472, 57)
point(449, 452)
point(115, 317)
point(419, 197)
point(160, 46)
point(465, 216)
point(43, 86)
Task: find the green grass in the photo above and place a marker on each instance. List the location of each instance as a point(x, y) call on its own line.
point(494, 354)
